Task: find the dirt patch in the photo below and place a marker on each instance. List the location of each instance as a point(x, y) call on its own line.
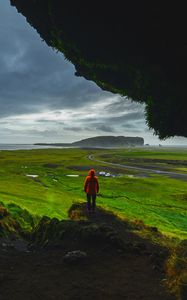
point(104, 275)
point(81, 168)
point(36, 178)
point(112, 170)
point(182, 196)
point(51, 166)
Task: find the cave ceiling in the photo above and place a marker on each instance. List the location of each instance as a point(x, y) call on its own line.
point(133, 48)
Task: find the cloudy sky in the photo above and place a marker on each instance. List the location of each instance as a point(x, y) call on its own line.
point(41, 100)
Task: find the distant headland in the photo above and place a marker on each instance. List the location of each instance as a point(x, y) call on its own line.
point(101, 142)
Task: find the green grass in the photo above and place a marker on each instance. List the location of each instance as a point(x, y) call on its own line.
point(158, 201)
point(148, 153)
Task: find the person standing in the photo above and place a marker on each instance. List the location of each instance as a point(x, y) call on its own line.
point(91, 188)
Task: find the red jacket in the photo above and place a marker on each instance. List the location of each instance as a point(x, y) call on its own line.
point(91, 184)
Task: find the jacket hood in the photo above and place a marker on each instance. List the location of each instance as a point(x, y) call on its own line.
point(92, 173)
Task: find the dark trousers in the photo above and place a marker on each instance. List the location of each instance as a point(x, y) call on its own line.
point(91, 201)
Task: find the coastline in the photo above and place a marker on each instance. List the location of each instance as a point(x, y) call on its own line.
point(13, 147)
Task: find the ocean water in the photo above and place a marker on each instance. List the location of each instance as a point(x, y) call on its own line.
point(23, 147)
point(32, 146)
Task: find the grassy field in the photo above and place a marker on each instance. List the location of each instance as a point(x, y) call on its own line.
point(152, 153)
point(156, 200)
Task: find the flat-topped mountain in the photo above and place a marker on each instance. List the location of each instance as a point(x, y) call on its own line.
point(103, 141)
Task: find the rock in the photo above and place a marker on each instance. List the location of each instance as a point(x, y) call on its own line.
point(3, 212)
point(74, 257)
point(2, 277)
point(182, 249)
point(138, 248)
point(184, 292)
point(153, 229)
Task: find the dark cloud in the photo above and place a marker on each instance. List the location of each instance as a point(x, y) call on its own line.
point(76, 129)
point(132, 116)
point(104, 128)
point(32, 74)
point(122, 104)
point(49, 122)
point(34, 132)
point(129, 125)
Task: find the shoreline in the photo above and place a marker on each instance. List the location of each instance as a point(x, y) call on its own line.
point(13, 147)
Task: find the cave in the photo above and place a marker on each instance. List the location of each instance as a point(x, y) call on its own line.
point(133, 48)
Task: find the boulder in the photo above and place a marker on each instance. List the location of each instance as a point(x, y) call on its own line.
point(76, 256)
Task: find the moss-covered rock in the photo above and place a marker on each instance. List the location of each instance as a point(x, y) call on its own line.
point(3, 212)
point(54, 232)
point(177, 271)
point(15, 221)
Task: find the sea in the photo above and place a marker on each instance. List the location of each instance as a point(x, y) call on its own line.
point(24, 147)
point(32, 146)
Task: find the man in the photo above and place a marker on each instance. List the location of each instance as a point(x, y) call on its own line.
point(91, 188)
